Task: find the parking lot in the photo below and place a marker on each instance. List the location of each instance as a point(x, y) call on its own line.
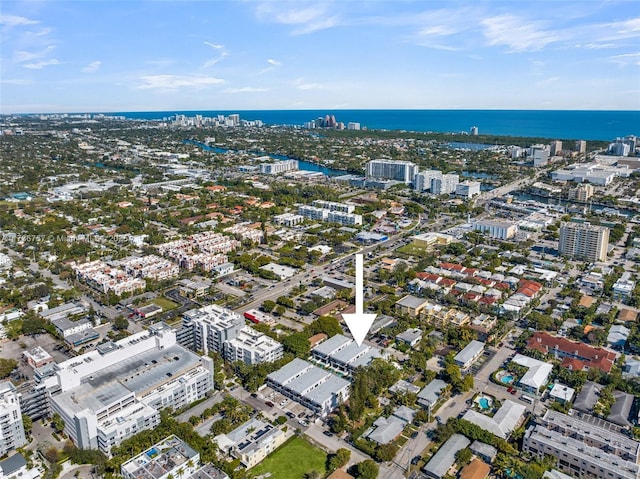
point(13, 350)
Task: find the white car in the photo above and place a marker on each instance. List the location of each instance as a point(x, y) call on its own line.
point(302, 422)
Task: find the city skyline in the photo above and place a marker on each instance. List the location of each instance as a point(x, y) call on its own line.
point(90, 56)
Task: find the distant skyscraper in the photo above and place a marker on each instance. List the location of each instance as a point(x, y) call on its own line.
point(584, 241)
point(391, 170)
point(581, 146)
point(473, 131)
point(422, 179)
point(444, 185)
point(539, 155)
point(555, 147)
point(353, 126)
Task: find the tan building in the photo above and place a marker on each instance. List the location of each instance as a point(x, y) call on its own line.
point(411, 305)
point(584, 241)
point(581, 193)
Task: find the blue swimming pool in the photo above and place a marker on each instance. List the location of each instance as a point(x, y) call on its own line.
point(484, 403)
point(508, 379)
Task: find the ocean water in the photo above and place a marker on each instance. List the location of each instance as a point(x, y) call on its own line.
point(551, 124)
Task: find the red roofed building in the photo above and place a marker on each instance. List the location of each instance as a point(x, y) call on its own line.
point(587, 356)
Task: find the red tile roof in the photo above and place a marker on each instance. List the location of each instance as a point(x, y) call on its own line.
point(598, 358)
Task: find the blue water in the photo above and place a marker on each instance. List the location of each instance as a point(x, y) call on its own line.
point(554, 124)
point(302, 164)
point(506, 379)
point(484, 403)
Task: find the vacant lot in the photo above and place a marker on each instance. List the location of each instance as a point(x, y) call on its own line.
point(292, 460)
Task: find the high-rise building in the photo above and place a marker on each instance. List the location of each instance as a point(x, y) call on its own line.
point(584, 241)
point(11, 428)
point(403, 171)
point(353, 125)
point(473, 131)
point(278, 167)
point(581, 146)
point(422, 179)
point(110, 394)
point(445, 184)
point(539, 155)
point(555, 147)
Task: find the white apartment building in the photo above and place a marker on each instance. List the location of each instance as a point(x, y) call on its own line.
point(309, 385)
point(403, 171)
point(252, 347)
point(116, 391)
point(445, 184)
point(584, 241)
point(313, 213)
point(169, 457)
point(150, 266)
point(252, 442)
point(11, 428)
point(277, 167)
point(503, 230)
point(468, 189)
point(422, 179)
point(334, 206)
point(246, 232)
point(207, 328)
point(106, 279)
point(583, 449)
point(345, 219)
point(288, 219)
point(343, 354)
point(539, 155)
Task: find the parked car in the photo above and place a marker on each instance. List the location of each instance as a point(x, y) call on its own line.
point(302, 422)
point(514, 391)
point(416, 460)
point(269, 403)
point(414, 434)
point(290, 414)
point(327, 433)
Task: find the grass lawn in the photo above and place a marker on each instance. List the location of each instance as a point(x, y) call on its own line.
point(164, 303)
point(411, 250)
point(292, 460)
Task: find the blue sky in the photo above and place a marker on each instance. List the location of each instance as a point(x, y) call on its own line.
point(93, 55)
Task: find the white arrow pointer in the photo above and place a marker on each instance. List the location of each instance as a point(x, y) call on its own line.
point(359, 323)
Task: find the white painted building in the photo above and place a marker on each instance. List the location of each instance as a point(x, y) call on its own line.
point(12, 433)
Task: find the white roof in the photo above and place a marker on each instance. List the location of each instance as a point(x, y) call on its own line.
point(502, 423)
point(537, 374)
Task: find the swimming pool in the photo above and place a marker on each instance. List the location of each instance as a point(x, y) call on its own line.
point(484, 403)
point(507, 379)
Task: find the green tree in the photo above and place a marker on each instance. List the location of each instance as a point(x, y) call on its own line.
point(120, 323)
point(339, 459)
point(57, 423)
point(6, 366)
point(268, 306)
point(463, 456)
point(367, 470)
point(297, 344)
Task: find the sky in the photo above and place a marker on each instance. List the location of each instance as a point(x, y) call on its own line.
point(153, 55)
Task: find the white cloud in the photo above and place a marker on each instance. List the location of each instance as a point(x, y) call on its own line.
point(16, 81)
point(14, 20)
point(215, 46)
point(306, 19)
point(245, 89)
point(92, 67)
point(173, 82)
point(213, 61)
point(516, 33)
point(626, 59)
point(25, 56)
point(41, 64)
point(300, 84)
point(273, 62)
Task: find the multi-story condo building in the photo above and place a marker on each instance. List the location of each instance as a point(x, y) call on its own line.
point(216, 329)
point(281, 166)
point(422, 180)
point(288, 219)
point(497, 229)
point(313, 213)
point(444, 185)
point(403, 171)
point(252, 347)
point(11, 428)
point(252, 441)
point(539, 155)
point(555, 147)
point(206, 329)
point(584, 241)
point(309, 385)
point(334, 206)
point(581, 146)
point(151, 266)
point(343, 354)
point(582, 192)
point(583, 448)
point(118, 390)
point(346, 219)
